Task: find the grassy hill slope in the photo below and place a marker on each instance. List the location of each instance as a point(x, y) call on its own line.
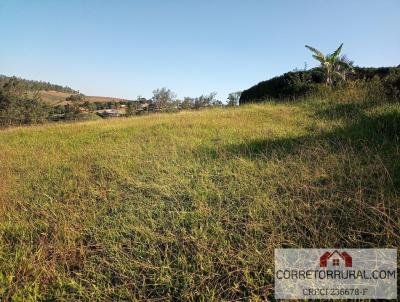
point(52, 94)
point(58, 98)
point(54, 98)
point(191, 205)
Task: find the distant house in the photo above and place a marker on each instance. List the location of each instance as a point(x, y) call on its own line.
point(108, 113)
point(83, 110)
point(141, 106)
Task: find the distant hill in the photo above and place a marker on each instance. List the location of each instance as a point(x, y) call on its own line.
point(32, 85)
point(54, 94)
point(104, 99)
point(59, 98)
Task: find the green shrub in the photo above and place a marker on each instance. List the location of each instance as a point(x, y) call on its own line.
point(392, 83)
point(365, 83)
point(289, 85)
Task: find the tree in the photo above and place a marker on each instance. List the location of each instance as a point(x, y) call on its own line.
point(22, 110)
point(217, 103)
point(205, 100)
point(131, 108)
point(233, 98)
point(332, 64)
point(71, 111)
point(187, 103)
point(17, 106)
point(15, 88)
point(163, 97)
point(90, 106)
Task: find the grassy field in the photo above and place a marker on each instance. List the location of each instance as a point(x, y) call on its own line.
point(191, 205)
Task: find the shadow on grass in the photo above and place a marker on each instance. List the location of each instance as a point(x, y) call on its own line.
point(379, 132)
point(348, 111)
point(268, 148)
point(356, 195)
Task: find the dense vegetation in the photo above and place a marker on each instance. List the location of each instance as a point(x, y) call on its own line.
point(18, 107)
point(29, 85)
point(298, 84)
point(190, 205)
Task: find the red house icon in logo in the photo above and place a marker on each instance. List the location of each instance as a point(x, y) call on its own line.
point(336, 257)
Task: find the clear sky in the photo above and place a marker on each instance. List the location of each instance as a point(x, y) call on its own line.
point(128, 48)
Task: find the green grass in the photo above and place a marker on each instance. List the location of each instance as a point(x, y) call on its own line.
point(191, 205)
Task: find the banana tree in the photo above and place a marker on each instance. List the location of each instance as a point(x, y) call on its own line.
point(333, 64)
point(344, 67)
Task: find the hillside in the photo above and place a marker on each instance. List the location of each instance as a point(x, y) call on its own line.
point(52, 97)
point(53, 94)
point(32, 85)
point(191, 205)
point(59, 98)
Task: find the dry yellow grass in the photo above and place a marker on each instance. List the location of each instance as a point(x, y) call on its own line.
point(58, 98)
point(190, 205)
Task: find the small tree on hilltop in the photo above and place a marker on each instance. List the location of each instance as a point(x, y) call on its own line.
point(333, 64)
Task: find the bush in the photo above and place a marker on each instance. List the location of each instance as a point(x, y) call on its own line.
point(75, 98)
point(289, 85)
point(392, 83)
point(365, 83)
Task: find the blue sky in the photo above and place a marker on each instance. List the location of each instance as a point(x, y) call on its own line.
point(128, 48)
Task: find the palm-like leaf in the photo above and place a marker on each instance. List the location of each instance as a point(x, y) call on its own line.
point(333, 57)
point(317, 54)
point(316, 51)
point(320, 59)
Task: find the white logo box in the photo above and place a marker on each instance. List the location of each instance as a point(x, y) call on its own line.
point(336, 273)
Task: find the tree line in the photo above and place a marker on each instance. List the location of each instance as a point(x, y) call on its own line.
point(29, 85)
